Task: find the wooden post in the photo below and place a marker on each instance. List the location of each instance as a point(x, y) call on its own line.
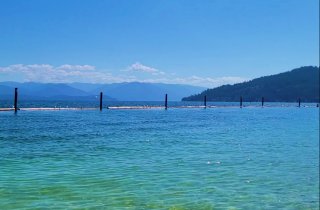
point(101, 94)
point(166, 102)
point(205, 101)
point(262, 101)
point(240, 101)
point(299, 101)
point(15, 100)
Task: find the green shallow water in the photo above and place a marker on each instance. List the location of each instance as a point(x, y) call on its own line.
point(227, 158)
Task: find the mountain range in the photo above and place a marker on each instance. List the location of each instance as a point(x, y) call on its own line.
point(301, 83)
point(130, 91)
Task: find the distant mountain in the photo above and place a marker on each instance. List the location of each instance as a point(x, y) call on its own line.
point(284, 87)
point(44, 91)
point(87, 87)
point(5, 90)
point(136, 91)
point(133, 91)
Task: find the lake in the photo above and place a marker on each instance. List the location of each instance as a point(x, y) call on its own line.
point(219, 158)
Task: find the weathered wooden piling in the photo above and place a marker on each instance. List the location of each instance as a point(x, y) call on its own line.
point(15, 100)
point(101, 95)
point(262, 101)
point(205, 102)
point(166, 102)
point(240, 101)
point(299, 101)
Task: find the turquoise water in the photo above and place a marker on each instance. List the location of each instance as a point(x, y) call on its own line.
point(223, 158)
point(95, 103)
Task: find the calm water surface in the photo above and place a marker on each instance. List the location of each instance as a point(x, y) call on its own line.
point(223, 158)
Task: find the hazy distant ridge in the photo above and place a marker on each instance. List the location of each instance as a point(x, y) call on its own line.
point(136, 91)
point(133, 91)
point(284, 87)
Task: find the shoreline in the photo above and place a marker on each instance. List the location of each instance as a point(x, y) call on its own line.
point(141, 108)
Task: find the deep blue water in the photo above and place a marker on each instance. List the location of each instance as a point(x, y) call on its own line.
point(95, 103)
point(219, 158)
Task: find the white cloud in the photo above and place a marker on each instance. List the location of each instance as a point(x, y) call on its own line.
point(138, 67)
point(199, 81)
point(49, 73)
point(76, 67)
point(89, 74)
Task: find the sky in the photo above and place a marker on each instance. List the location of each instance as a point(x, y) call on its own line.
point(205, 42)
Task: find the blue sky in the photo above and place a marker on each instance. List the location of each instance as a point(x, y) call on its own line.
point(203, 42)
